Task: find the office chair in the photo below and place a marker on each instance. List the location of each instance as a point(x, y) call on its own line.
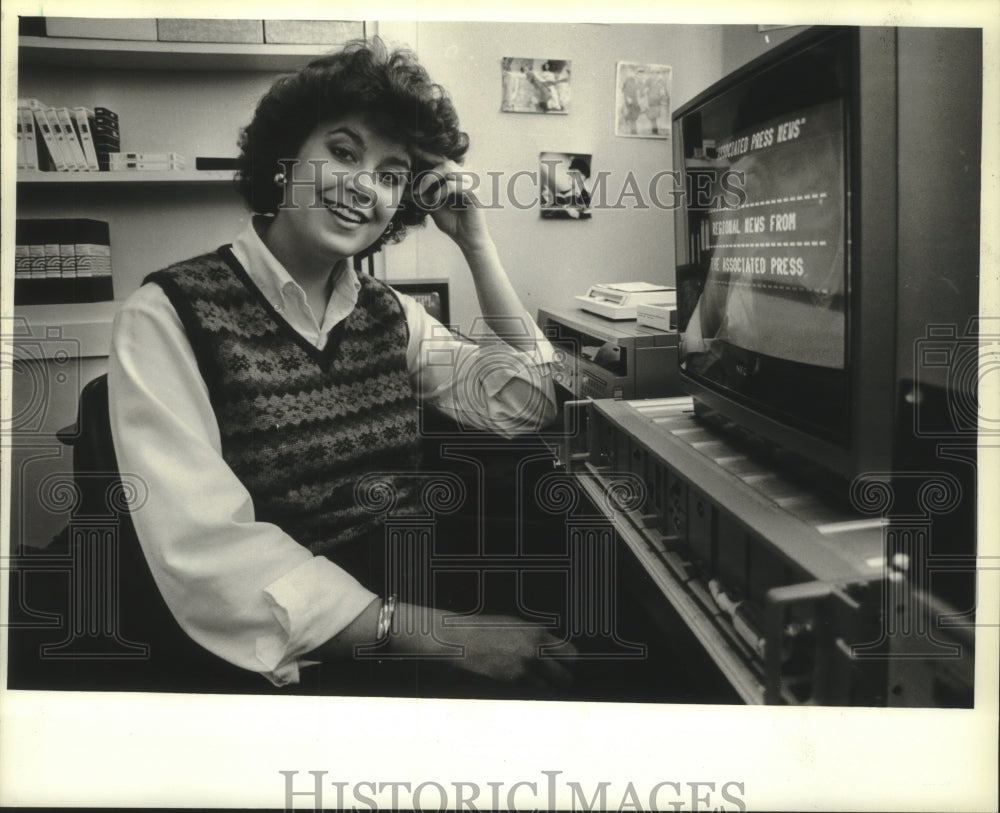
point(116, 632)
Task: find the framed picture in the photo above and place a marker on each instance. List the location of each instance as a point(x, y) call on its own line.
point(642, 100)
point(564, 185)
point(535, 85)
point(431, 293)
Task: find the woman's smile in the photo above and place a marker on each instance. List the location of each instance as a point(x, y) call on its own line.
point(346, 214)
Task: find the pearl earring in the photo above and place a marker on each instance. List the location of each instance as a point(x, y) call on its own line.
point(279, 178)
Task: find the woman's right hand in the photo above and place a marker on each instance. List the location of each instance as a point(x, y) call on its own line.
point(499, 647)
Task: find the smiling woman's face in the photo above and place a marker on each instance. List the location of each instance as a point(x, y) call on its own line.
point(345, 187)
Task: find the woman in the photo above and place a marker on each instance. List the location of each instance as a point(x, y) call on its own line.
point(252, 388)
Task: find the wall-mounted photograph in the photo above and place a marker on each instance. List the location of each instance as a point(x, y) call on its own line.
point(535, 85)
point(563, 179)
point(642, 108)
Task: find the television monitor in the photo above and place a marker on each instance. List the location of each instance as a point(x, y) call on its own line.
point(831, 224)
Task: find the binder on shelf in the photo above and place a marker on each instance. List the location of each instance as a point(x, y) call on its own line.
point(92, 244)
point(105, 117)
point(36, 258)
point(20, 141)
point(106, 135)
point(215, 163)
point(105, 147)
point(146, 166)
point(93, 248)
point(67, 259)
point(62, 143)
point(29, 144)
point(106, 138)
point(53, 259)
point(23, 238)
point(54, 156)
point(69, 131)
point(146, 161)
point(22, 262)
point(82, 118)
point(149, 157)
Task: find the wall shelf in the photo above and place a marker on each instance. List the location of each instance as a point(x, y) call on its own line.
point(149, 83)
point(81, 328)
point(170, 56)
point(184, 177)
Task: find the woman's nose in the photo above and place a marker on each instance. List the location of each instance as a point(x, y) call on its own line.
point(361, 184)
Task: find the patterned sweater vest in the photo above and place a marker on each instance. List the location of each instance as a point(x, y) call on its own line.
point(300, 426)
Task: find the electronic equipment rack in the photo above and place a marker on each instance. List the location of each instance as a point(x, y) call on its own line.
point(788, 592)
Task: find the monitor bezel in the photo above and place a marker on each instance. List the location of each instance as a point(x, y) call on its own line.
point(871, 204)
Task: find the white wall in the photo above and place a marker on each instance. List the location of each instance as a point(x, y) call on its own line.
point(550, 260)
point(741, 43)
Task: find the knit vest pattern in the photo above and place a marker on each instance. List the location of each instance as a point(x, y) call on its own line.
point(300, 426)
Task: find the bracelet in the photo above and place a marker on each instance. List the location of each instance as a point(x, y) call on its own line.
point(385, 619)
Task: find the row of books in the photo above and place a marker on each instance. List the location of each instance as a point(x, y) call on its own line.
point(62, 260)
point(65, 139)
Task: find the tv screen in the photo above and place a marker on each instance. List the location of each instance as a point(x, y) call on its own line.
point(764, 279)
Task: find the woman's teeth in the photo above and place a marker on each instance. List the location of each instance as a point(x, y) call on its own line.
point(344, 213)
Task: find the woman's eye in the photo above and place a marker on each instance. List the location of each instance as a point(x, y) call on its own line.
point(341, 153)
point(392, 179)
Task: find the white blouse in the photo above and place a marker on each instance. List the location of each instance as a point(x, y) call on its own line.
point(243, 589)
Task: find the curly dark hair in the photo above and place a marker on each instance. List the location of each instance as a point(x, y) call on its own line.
point(390, 88)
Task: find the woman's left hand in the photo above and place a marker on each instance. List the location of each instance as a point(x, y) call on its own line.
point(447, 190)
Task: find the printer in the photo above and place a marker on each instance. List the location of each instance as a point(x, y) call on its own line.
point(619, 300)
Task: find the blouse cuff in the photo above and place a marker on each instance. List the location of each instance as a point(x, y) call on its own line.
point(312, 603)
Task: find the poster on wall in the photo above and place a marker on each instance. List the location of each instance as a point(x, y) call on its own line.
point(642, 100)
point(535, 85)
point(564, 192)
